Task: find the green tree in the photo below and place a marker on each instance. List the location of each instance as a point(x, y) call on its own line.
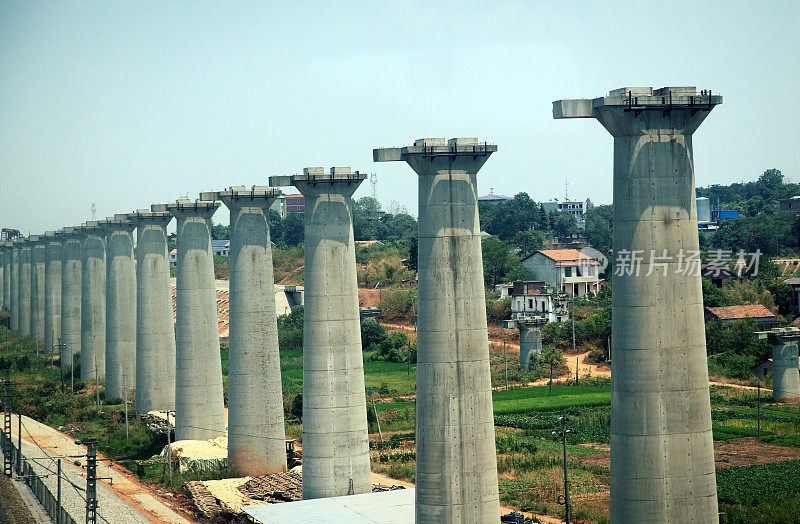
point(292, 229)
point(712, 295)
point(564, 226)
point(528, 241)
point(220, 232)
point(496, 259)
point(599, 227)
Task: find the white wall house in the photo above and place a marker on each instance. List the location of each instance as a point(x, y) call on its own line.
point(534, 299)
point(565, 270)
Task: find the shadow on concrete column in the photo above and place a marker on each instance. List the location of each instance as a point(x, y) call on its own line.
point(199, 407)
point(120, 306)
point(785, 362)
point(456, 469)
point(256, 433)
point(93, 301)
point(335, 433)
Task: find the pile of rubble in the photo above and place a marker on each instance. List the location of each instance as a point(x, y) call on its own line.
point(228, 496)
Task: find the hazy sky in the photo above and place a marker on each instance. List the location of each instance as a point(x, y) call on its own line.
point(129, 103)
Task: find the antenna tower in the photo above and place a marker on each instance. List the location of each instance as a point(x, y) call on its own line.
point(373, 182)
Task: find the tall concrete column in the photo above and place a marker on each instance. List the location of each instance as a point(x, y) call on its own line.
point(155, 332)
point(120, 306)
point(4, 273)
point(199, 403)
point(37, 288)
point(93, 301)
point(662, 455)
point(256, 433)
point(335, 433)
point(16, 247)
point(456, 462)
point(52, 290)
point(785, 363)
point(70, 293)
point(24, 288)
point(8, 250)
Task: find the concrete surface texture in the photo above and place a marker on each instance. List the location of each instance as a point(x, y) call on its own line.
point(8, 250)
point(24, 289)
point(120, 306)
point(71, 255)
point(6, 261)
point(785, 363)
point(335, 435)
point(456, 470)
point(662, 457)
point(37, 288)
point(256, 436)
point(52, 290)
point(93, 302)
point(199, 409)
point(155, 331)
point(14, 284)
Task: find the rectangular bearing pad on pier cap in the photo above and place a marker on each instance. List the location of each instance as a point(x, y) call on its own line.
point(434, 147)
point(637, 98)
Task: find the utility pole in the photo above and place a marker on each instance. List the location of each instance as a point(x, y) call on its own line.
point(97, 385)
point(572, 314)
point(380, 434)
point(126, 413)
point(505, 362)
point(563, 433)
point(758, 410)
point(91, 481)
point(19, 443)
point(550, 390)
point(169, 445)
point(58, 489)
point(577, 364)
point(7, 459)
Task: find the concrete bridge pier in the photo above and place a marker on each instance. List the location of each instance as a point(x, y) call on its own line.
point(93, 301)
point(120, 306)
point(155, 332)
point(71, 255)
point(456, 468)
point(24, 288)
point(335, 433)
point(8, 249)
point(13, 286)
point(37, 288)
point(199, 408)
point(785, 363)
point(52, 290)
point(662, 454)
point(256, 433)
point(530, 338)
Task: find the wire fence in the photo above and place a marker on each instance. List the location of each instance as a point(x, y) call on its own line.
point(34, 482)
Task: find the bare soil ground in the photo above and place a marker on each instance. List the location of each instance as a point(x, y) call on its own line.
point(727, 453)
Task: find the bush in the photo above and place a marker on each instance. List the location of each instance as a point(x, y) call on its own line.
point(290, 330)
point(397, 303)
point(296, 408)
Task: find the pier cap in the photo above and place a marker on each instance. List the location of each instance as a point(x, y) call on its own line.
point(638, 99)
point(433, 147)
